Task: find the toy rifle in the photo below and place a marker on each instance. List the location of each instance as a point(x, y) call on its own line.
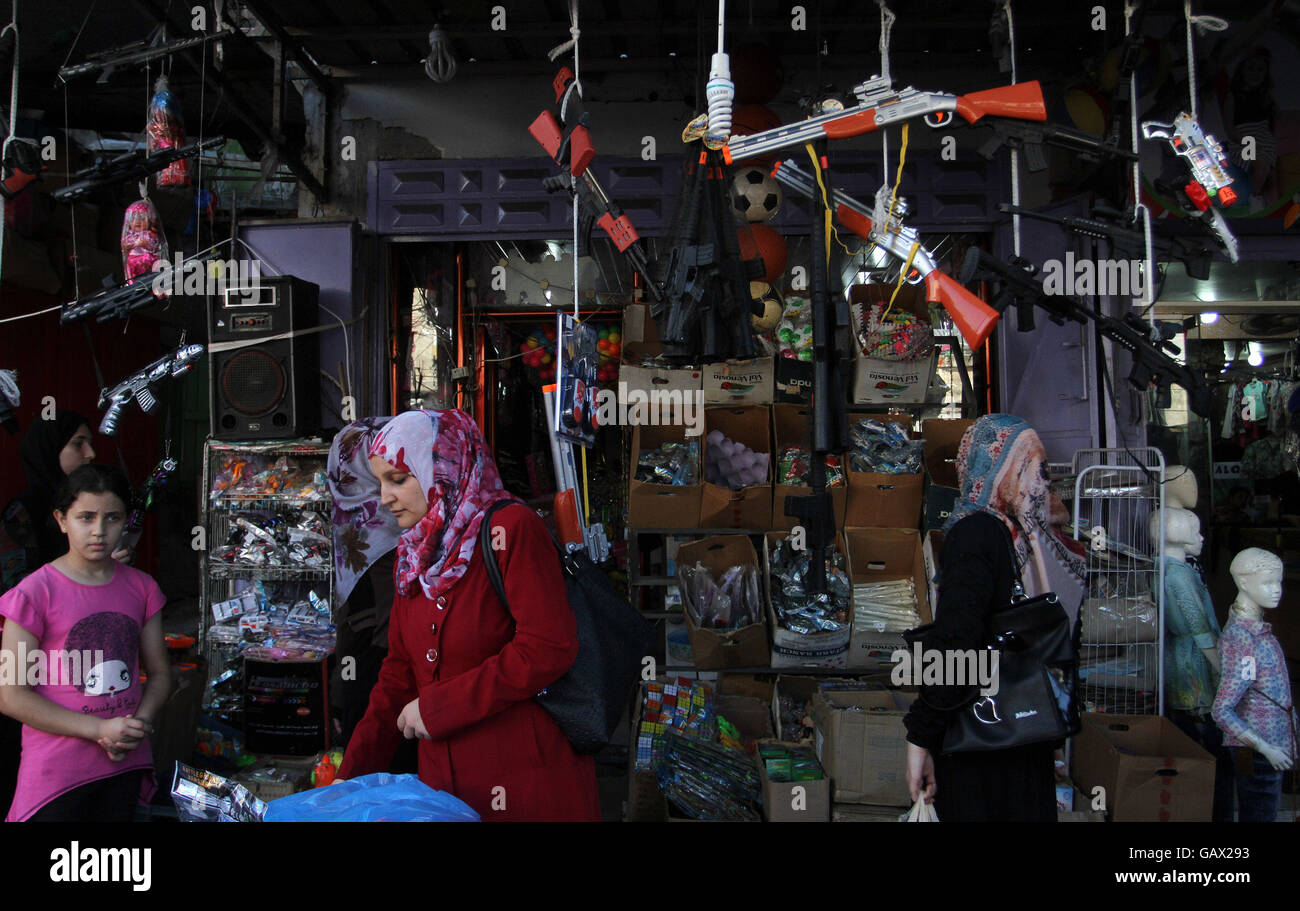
point(829, 418)
point(1103, 225)
point(1209, 181)
point(974, 318)
point(139, 386)
point(880, 105)
point(1150, 348)
point(117, 301)
point(131, 165)
point(144, 502)
point(1030, 138)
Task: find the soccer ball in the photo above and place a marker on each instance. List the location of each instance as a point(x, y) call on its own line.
point(755, 195)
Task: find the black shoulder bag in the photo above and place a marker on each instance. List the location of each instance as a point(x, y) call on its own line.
point(1036, 676)
point(613, 638)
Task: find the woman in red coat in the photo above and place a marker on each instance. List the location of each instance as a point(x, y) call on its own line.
point(461, 672)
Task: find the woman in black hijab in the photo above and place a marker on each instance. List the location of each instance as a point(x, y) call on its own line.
point(29, 538)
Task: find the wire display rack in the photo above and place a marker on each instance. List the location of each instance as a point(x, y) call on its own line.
point(221, 643)
point(1116, 493)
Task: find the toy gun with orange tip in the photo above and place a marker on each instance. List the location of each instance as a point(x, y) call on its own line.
point(974, 318)
point(1210, 181)
point(880, 105)
point(563, 132)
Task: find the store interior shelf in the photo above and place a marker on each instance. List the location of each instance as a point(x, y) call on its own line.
point(233, 503)
point(260, 571)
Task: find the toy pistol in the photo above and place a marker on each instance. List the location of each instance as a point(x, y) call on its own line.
point(1210, 181)
point(139, 386)
point(973, 317)
point(879, 105)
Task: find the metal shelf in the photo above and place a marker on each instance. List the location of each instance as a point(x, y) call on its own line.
point(655, 580)
point(262, 571)
point(235, 503)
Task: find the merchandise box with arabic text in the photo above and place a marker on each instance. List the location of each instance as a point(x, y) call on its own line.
point(883, 555)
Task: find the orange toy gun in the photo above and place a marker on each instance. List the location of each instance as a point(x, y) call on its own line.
point(974, 318)
point(880, 105)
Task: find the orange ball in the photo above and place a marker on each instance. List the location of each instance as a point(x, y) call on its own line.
point(760, 240)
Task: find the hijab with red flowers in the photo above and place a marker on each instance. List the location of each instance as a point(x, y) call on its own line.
point(446, 453)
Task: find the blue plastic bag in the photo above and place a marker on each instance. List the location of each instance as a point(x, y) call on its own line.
point(371, 798)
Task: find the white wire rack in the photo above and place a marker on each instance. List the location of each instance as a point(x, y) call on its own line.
point(1116, 491)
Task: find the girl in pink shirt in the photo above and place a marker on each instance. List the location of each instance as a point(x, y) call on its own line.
point(75, 634)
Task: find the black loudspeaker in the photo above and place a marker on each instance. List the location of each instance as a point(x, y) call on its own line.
point(269, 390)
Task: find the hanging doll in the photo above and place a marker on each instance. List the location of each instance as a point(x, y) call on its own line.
point(165, 132)
point(143, 240)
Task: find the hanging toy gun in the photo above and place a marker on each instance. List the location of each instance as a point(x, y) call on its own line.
point(132, 165)
point(1209, 181)
point(974, 318)
point(880, 105)
point(117, 301)
point(144, 502)
point(565, 138)
point(139, 386)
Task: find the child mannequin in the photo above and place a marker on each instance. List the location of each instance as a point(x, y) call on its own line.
point(1253, 706)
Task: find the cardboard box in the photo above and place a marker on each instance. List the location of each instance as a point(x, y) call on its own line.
point(749, 507)
point(942, 438)
point(791, 649)
point(661, 505)
point(801, 689)
point(857, 812)
point(878, 381)
point(720, 649)
point(639, 337)
point(883, 554)
point(790, 428)
point(793, 801)
point(862, 744)
point(1150, 770)
point(883, 500)
point(794, 381)
point(739, 382)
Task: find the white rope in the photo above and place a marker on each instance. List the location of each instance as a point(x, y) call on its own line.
point(1205, 24)
point(1015, 154)
point(887, 18)
point(1148, 264)
point(13, 121)
point(577, 87)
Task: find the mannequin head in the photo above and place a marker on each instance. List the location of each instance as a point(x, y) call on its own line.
point(1180, 487)
point(1258, 575)
point(1182, 533)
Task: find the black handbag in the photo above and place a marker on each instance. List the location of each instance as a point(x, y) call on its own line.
point(613, 638)
point(1037, 676)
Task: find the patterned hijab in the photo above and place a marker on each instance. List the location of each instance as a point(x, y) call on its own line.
point(363, 531)
point(1002, 470)
point(447, 455)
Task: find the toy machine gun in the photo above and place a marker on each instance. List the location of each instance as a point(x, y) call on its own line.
point(131, 165)
point(117, 301)
point(139, 386)
point(1150, 346)
point(880, 105)
point(974, 318)
point(144, 502)
point(1209, 181)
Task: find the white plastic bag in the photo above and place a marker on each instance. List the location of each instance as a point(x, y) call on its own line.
point(920, 812)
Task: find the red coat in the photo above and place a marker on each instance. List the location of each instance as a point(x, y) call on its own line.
point(475, 672)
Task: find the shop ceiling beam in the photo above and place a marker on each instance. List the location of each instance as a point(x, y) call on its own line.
point(293, 47)
point(218, 82)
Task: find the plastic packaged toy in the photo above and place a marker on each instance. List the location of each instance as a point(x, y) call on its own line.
point(883, 447)
point(143, 239)
point(164, 131)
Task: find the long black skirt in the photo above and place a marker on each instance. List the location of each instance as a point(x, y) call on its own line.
point(1004, 786)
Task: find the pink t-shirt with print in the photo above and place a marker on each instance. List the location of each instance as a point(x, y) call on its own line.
point(101, 623)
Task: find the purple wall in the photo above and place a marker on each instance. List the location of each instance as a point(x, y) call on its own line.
point(323, 252)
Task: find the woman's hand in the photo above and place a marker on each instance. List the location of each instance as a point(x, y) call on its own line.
point(410, 723)
point(920, 773)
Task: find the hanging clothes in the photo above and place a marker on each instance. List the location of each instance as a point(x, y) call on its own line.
point(1230, 416)
point(1255, 396)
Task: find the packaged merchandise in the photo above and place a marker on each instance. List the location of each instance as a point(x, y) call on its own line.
point(202, 796)
point(894, 334)
point(795, 465)
point(259, 538)
point(883, 447)
point(708, 781)
point(734, 465)
point(252, 477)
point(796, 609)
point(671, 463)
point(166, 132)
point(732, 602)
point(794, 332)
point(886, 607)
point(143, 239)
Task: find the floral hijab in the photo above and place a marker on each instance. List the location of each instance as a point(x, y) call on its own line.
point(363, 530)
point(1002, 470)
point(447, 455)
